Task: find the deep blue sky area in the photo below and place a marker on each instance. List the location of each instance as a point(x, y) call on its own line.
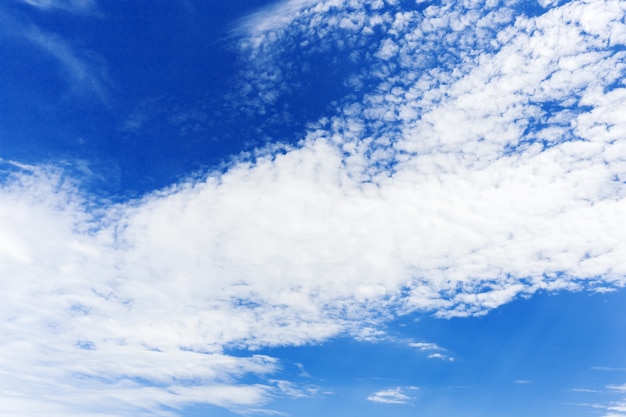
point(156, 98)
point(150, 63)
point(312, 207)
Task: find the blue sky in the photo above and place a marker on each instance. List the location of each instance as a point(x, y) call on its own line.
point(304, 208)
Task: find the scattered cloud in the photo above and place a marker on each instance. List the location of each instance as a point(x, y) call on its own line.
point(429, 347)
point(441, 356)
point(396, 395)
point(454, 183)
point(617, 409)
point(614, 407)
point(303, 372)
point(291, 390)
point(425, 346)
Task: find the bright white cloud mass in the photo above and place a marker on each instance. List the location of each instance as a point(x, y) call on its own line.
point(479, 157)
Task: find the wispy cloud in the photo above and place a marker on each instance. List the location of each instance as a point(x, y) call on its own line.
point(84, 72)
point(613, 408)
point(587, 390)
point(74, 6)
point(438, 351)
point(617, 409)
point(522, 381)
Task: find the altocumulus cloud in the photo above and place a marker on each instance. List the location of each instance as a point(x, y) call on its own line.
point(450, 183)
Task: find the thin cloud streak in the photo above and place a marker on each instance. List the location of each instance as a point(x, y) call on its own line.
point(73, 6)
point(83, 76)
point(84, 71)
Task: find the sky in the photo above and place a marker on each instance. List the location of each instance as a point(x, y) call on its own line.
point(312, 207)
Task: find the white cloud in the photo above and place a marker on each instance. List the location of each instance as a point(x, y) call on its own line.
point(429, 347)
point(83, 71)
point(425, 346)
point(617, 405)
point(450, 189)
point(392, 396)
point(387, 50)
point(74, 6)
point(441, 356)
point(616, 409)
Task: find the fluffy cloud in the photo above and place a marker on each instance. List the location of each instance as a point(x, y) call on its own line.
point(484, 162)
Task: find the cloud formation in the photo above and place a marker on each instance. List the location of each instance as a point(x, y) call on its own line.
point(74, 6)
point(481, 158)
point(81, 69)
point(392, 396)
point(83, 72)
point(434, 351)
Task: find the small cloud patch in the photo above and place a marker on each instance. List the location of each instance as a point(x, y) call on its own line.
point(392, 396)
point(432, 347)
point(522, 382)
